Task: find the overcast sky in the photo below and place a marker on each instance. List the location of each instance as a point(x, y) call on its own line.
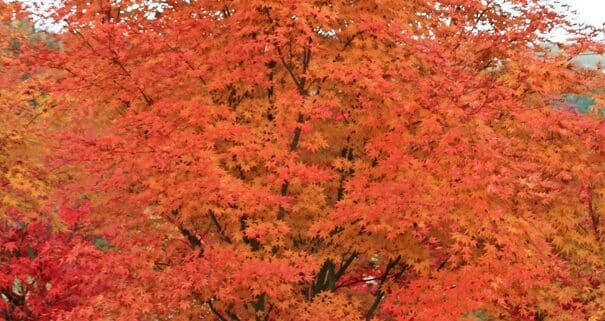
point(590, 12)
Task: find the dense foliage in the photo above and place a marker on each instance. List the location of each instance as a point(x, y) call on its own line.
point(300, 160)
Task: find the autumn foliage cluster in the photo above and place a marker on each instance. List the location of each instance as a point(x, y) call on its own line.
point(299, 160)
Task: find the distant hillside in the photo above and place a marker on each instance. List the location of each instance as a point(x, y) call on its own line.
point(591, 61)
point(586, 60)
point(582, 104)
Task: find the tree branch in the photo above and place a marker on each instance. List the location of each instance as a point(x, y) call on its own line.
point(381, 293)
point(194, 242)
point(215, 312)
point(219, 228)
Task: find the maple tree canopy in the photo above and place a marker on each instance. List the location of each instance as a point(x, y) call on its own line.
point(300, 160)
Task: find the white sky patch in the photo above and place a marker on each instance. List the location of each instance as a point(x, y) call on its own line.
point(43, 12)
point(588, 12)
point(581, 13)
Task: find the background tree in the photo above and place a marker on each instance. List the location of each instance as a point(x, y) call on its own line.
point(43, 263)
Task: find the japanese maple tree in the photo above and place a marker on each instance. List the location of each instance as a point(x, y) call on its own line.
point(43, 272)
point(330, 160)
point(44, 263)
